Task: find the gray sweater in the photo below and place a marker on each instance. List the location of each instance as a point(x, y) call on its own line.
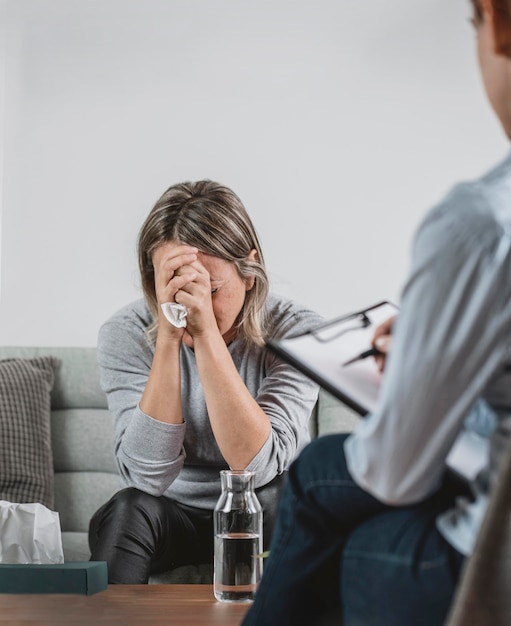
point(182, 461)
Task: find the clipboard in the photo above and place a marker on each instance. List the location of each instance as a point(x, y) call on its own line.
point(321, 352)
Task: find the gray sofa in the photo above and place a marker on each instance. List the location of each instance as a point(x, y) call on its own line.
point(85, 473)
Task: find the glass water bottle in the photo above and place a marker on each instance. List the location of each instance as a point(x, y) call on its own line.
point(238, 527)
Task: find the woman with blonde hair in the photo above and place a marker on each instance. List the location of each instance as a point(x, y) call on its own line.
point(370, 524)
point(190, 385)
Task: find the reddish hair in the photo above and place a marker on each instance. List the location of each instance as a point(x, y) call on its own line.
point(501, 20)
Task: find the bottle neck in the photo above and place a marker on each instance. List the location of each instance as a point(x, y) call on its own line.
point(237, 481)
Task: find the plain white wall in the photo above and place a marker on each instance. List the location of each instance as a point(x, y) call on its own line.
point(338, 122)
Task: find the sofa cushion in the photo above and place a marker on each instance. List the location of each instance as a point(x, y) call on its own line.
point(83, 440)
point(76, 380)
point(75, 546)
point(334, 416)
point(78, 495)
point(86, 474)
point(26, 461)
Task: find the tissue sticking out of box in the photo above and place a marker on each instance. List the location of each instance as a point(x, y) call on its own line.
point(30, 533)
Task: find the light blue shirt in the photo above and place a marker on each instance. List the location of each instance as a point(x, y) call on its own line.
point(451, 357)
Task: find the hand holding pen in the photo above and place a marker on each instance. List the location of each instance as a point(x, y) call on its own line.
point(381, 343)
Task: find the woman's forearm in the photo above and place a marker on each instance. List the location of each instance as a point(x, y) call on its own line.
point(239, 424)
point(162, 395)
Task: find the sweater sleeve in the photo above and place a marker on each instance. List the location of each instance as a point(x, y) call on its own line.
point(149, 453)
point(287, 397)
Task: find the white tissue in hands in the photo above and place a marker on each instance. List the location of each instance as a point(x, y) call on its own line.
point(175, 313)
point(29, 533)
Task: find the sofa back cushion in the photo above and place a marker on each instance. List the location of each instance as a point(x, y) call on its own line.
point(85, 473)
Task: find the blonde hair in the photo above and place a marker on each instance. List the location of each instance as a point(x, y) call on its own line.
point(212, 218)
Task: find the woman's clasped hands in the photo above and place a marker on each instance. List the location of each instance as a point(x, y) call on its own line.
point(180, 277)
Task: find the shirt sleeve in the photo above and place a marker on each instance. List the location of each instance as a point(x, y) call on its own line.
point(149, 453)
point(449, 340)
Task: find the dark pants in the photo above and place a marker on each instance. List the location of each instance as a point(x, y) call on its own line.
point(138, 534)
point(337, 549)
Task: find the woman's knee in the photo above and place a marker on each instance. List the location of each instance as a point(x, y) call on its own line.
point(130, 497)
point(130, 503)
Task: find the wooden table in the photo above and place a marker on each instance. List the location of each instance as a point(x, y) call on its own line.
point(127, 605)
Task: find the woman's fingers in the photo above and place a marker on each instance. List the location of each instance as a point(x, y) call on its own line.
point(168, 257)
point(168, 261)
point(183, 281)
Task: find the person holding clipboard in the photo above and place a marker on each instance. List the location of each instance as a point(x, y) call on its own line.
point(369, 524)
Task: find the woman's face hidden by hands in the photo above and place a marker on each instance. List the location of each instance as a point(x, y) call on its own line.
point(209, 287)
point(228, 291)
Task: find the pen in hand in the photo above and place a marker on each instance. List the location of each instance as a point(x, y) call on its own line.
point(363, 355)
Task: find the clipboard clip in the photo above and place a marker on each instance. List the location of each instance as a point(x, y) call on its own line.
point(330, 331)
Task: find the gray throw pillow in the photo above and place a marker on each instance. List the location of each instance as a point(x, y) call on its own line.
point(26, 459)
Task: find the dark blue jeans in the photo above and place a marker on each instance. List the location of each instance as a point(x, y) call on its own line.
point(336, 549)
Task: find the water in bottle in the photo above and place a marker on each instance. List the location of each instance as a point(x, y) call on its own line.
point(238, 538)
